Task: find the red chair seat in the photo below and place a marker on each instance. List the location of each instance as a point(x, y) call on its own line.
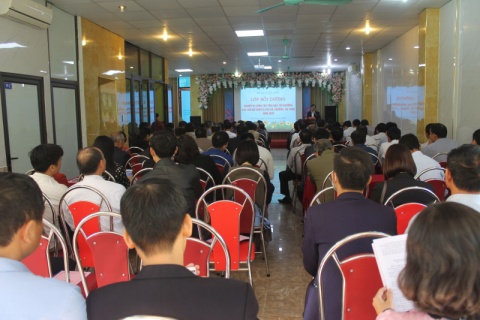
point(439, 187)
point(405, 213)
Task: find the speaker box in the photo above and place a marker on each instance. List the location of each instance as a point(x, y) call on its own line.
point(331, 114)
point(196, 120)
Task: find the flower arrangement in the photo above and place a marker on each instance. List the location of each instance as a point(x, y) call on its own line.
point(209, 83)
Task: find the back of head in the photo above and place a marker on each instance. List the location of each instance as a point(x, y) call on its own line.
point(364, 122)
point(118, 137)
point(476, 137)
point(189, 127)
point(88, 160)
point(394, 133)
point(337, 133)
point(20, 201)
point(439, 130)
point(356, 123)
point(179, 131)
point(152, 212)
point(216, 128)
point(398, 159)
point(427, 128)
point(200, 132)
point(389, 125)
point(187, 149)
point(353, 168)
point(441, 274)
point(45, 155)
point(322, 145)
point(241, 129)
point(247, 136)
point(105, 144)
point(358, 137)
point(227, 125)
point(247, 151)
point(380, 127)
point(250, 125)
point(305, 136)
point(347, 123)
point(464, 166)
point(163, 144)
point(321, 133)
point(182, 124)
point(411, 141)
point(219, 139)
point(302, 124)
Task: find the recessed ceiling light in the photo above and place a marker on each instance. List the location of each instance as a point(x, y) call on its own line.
point(68, 62)
point(122, 8)
point(224, 62)
point(335, 59)
point(257, 54)
point(267, 67)
point(279, 60)
point(249, 33)
point(131, 67)
point(416, 47)
point(112, 72)
point(390, 59)
point(367, 27)
point(183, 70)
point(347, 48)
point(190, 52)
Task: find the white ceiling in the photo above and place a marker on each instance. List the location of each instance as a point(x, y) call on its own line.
point(209, 27)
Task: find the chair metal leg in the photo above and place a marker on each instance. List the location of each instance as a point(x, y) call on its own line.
point(265, 254)
point(249, 271)
point(294, 194)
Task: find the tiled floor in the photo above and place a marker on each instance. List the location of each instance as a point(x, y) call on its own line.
point(281, 295)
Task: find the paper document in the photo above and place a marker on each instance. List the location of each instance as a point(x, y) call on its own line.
point(391, 254)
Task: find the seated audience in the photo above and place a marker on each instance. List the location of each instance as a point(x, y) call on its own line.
point(265, 156)
point(462, 176)
point(201, 139)
point(119, 155)
point(441, 275)
point(358, 138)
point(105, 144)
point(476, 137)
point(422, 161)
point(369, 141)
point(320, 133)
point(347, 130)
point(157, 226)
point(190, 130)
point(219, 143)
point(380, 136)
point(399, 171)
point(157, 125)
point(188, 154)
point(186, 177)
point(294, 166)
point(427, 135)
point(46, 160)
point(293, 140)
point(22, 294)
point(92, 164)
point(370, 129)
point(229, 130)
point(328, 223)
point(440, 142)
point(319, 167)
point(337, 138)
point(393, 135)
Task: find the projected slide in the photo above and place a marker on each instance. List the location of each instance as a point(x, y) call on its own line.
point(276, 107)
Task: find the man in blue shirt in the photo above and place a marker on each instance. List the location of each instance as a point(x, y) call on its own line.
point(22, 294)
point(220, 143)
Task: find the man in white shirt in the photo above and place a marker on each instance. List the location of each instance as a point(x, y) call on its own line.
point(440, 142)
point(422, 162)
point(380, 136)
point(229, 131)
point(347, 130)
point(22, 294)
point(46, 160)
point(294, 166)
point(91, 164)
point(393, 134)
point(462, 176)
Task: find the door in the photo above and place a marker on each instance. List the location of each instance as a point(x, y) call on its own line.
point(23, 118)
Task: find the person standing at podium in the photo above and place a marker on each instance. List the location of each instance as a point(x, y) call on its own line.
point(313, 114)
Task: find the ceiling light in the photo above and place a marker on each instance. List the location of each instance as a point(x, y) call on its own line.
point(390, 59)
point(190, 52)
point(257, 54)
point(183, 70)
point(416, 47)
point(10, 45)
point(236, 74)
point(68, 62)
point(249, 33)
point(122, 8)
point(347, 48)
point(267, 67)
point(224, 62)
point(165, 35)
point(120, 57)
point(131, 67)
point(279, 60)
point(329, 71)
point(367, 27)
point(112, 72)
point(335, 59)
point(84, 42)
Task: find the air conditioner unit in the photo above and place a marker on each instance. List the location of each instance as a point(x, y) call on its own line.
point(27, 11)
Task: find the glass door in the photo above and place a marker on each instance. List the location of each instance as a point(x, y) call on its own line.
point(23, 118)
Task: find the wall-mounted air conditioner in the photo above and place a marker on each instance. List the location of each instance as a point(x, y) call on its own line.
point(26, 11)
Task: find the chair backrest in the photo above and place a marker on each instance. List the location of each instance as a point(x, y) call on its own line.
point(136, 160)
point(79, 210)
point(374, 157)
point(261, 164)
point(410, 189)
point(260, 142)
point(360, 275)
point(206, 179)
point(439, 155)
point(327, 179)
point(309, 192)
point(319, 197)
point(198, 251)
point(225, 216)
point(134, 150)
point(224, 162)
point(300, 153)
point(109, 176)
point(405, 212)
point(139, 174)
point(419, 175)
point(108, 249)
point(30, 172)
point(304, 169)
point(39, 261)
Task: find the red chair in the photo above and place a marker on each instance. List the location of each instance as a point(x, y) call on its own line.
point(225, 216)
point(223, 160)
point(405, 213)
point(134, 150)
point(309, 192)
point(250, 186)
point(139, 174)
point(80, 210)
point(441, 157)
point(39, 261)
point(198, 251)
point(296, 181)
point(410, 189)
point(376, 178)
point(108, 249)
point(361, 279)
point(439, 186)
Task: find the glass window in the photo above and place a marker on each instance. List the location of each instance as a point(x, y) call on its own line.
point(184, 82)
point(185, 101)
point(131, 59)
point(157, 68)
point(145, 63)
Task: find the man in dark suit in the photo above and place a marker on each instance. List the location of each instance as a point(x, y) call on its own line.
point(326, 224)
point(156, 225)
point(163, 146)
point(313, 114)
